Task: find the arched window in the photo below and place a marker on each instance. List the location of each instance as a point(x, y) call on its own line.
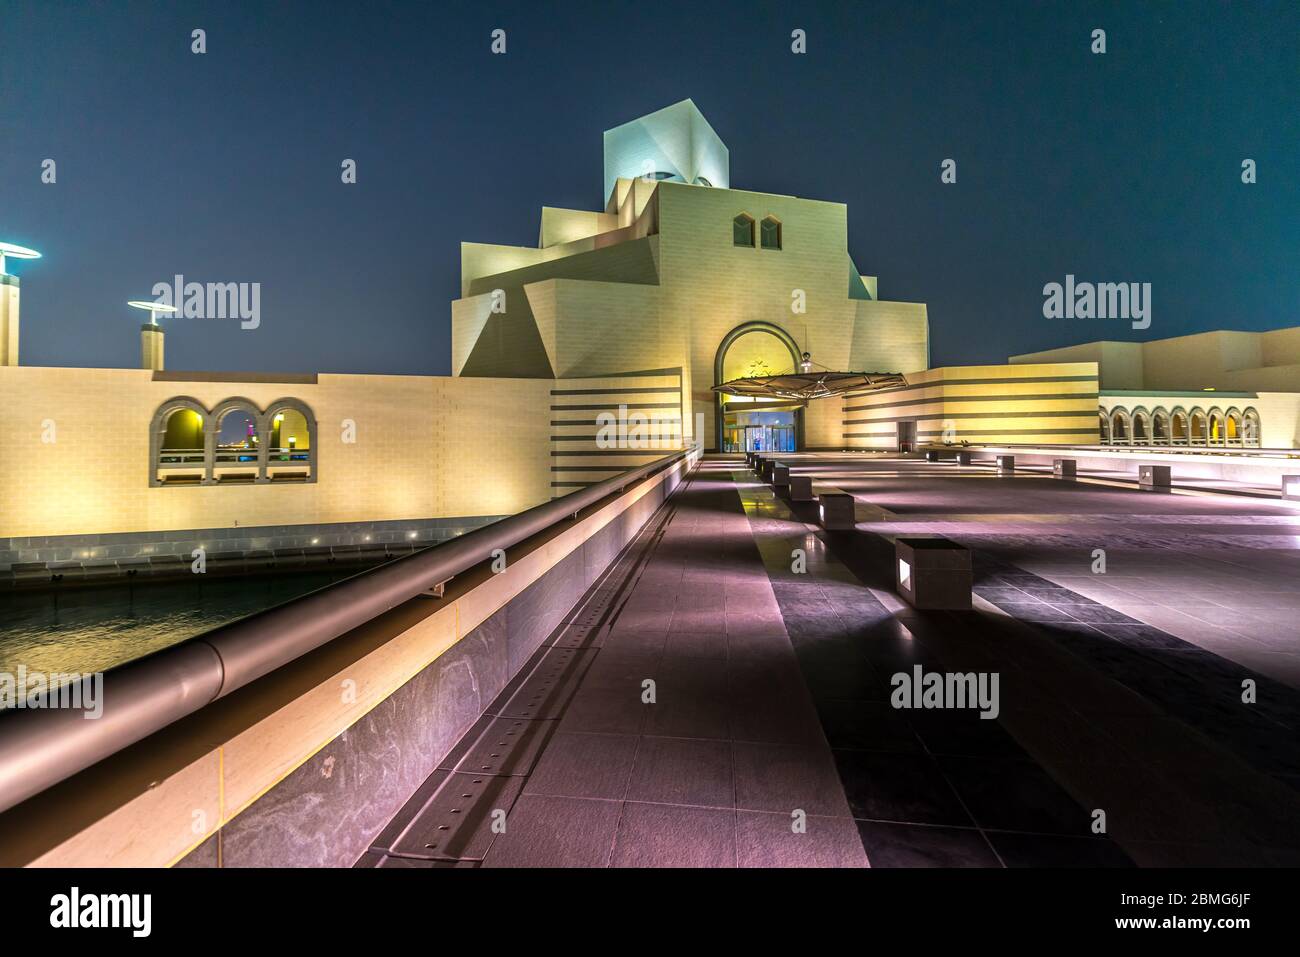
point(1250, 429)
point(1178, 431)
point(1197, 434)
point(771, 232)
point(1141, 427)
point(1217, 430)
point(1119, 430)
point(1160, 427)
point(742, 230)
point(177, 440)
point(234, 443)
point(1232, 427)
point(237, 448)
point(291, 452)
point(1103, 427)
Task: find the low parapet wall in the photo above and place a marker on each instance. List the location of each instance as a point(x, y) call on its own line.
point(1250, 469)
point(304, 766)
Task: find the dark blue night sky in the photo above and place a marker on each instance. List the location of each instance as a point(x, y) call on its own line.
point(225, 167)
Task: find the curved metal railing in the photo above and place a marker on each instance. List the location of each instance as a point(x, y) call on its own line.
point(39, 748)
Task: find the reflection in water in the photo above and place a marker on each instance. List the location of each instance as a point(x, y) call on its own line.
point(92, 629)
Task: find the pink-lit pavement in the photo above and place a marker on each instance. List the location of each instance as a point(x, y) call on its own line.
point(722, 698)
point(1218, 571)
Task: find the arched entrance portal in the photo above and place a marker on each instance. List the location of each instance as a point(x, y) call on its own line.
point(745, 423)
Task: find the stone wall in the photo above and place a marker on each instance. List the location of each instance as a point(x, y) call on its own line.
point(75, 460)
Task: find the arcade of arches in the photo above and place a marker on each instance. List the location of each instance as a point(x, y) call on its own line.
point(1178, 426)
point(234, 442)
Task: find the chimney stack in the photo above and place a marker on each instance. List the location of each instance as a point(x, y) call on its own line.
point(151, 347)
point(151, 334)
point(8, 320)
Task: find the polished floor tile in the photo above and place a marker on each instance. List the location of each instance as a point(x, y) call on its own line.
point(780, 840)
point(652, 835)
point(585, 766)
point(911, 845)
point(543, 831)
point(906, 788)
point(787, 778)
point(683, 771)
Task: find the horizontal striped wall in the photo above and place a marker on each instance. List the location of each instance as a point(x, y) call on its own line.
point(646, 405)
point(1050, 404)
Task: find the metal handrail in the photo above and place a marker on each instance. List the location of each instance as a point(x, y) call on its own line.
point(40, 748)
point(1248, 450)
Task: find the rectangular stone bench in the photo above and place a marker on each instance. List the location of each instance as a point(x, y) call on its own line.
point(801, 488)
point(933, 573)
point(835, 510)
point(1065, 468)
point(780, 475)
point(1154, 477)
point(963, 458)
point(1006, 463)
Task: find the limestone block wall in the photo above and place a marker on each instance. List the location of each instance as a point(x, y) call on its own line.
point(890, 337)
point(1279, 420)
point(605, 425)
point(607, 303)
point(1120, 363)
point(1047, 404)
point(718, 286)
point(74, 450)
point(823, 424)
point(592, 328)
point(569, 225)
point(1226, 360)
point(509, 342)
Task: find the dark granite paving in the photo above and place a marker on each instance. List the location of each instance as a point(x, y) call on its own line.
point(667, 725)
point(1123, 716)
point(926, 788)
point(1190, 684)
point(716, 702)
point(1218, 571)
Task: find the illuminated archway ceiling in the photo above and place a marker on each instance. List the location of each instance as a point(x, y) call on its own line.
point(803, 386)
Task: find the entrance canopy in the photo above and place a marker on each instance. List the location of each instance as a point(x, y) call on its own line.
point(802, 386)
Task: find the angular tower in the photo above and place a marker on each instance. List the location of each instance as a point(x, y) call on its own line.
point(675, 143)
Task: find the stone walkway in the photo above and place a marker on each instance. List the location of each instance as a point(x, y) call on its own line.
point(1219, 572)
point(722, 699)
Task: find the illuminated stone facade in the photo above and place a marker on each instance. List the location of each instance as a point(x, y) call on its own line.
point(593, 352)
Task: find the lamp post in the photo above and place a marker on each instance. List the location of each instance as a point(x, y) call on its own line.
point(151, 334)
point(9, 302)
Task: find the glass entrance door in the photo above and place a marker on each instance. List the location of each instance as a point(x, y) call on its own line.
point(777, 435)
